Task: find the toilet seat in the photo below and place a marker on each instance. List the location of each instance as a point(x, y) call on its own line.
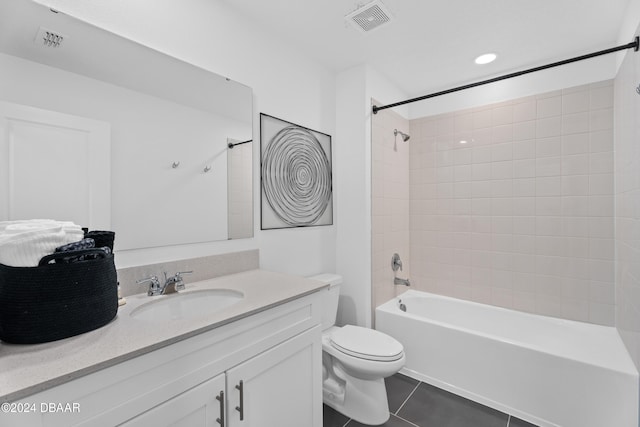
point(367, 344)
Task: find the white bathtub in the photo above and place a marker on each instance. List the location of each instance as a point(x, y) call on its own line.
point(548, 371)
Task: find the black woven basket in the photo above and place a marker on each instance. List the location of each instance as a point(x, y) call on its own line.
point(55, 301)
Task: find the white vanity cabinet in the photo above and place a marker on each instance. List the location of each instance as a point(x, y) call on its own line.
point(277, 389)
point(196, 407)
point(275, 354)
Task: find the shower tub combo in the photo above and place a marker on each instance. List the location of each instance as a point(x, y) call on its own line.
point(548, 371)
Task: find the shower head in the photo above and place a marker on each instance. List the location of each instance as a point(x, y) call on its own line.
point(405, 137)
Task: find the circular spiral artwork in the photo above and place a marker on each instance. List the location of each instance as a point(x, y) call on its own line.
point(296, 176)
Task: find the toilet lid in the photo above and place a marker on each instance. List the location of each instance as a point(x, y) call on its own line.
point(366, 343)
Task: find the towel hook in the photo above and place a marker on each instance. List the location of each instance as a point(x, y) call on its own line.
point(175, 165)
point(207, 168)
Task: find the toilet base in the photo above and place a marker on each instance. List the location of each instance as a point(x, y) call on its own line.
point(362, 400)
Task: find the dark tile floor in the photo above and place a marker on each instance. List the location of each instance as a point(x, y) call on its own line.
point(416, 404)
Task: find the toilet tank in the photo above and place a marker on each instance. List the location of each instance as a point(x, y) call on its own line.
point(330, 298)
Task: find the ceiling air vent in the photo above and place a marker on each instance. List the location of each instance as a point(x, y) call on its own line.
point(48, 38)
point(370, 16)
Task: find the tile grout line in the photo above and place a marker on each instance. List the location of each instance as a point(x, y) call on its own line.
point(408, 397)
point(408, 422)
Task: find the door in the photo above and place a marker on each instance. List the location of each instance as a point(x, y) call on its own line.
point(281, 387)
point(200, 406)
point(54, 165)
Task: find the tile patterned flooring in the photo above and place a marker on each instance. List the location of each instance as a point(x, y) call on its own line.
point(416, 404)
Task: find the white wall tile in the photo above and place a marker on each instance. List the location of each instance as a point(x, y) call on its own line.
point(500, 152)
point(462, 173)
point(524, 206)
point(601, 162)
point(546, 147)
point(575, 102)
point(525, 110)
point(522, 215)
point(481, 154)
point(524, 149)
point(576, 143)
point(502, 170)
point(502, 115)
point(601, 119)
point(601, 184)
point(549, 226)
point(575, 206)
point(575, 165)
point(552, 126)
point(575, 185)
point(524, 187)
point(548, 185)
point(481, 171)
point(549, 206)
point(549, 107)
point(524, 168)
point(524, 130)
point(575, 123)
point(601, 97)
point(600, 141)
point(548, 166)
point(525, 225)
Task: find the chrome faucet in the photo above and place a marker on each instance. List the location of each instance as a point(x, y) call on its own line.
point(399, 281)
point(171, 285)
point(396, 264)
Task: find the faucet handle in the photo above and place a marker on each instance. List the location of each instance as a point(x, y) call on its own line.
point(154, 288)
point(177, 278)
point(396, 263)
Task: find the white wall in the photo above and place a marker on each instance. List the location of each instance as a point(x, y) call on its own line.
point(355, 89)
point(286, 84)
point(627, 197)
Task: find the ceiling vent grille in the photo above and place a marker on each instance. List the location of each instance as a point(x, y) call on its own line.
point(48, 38)
point(370, 16)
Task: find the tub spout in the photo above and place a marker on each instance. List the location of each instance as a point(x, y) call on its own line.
point(399, 281)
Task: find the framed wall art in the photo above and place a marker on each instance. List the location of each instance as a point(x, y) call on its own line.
point(295, 175)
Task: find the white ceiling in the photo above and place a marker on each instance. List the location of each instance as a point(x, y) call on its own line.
point(430, 45)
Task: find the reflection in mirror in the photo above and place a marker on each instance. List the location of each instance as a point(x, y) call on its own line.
point(160, 111)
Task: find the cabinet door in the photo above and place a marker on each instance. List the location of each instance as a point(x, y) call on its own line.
point(281, 387)
point(197, 407)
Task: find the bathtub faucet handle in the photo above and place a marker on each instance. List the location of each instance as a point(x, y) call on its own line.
point(396, 263)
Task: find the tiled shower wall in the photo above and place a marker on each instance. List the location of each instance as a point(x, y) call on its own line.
point(511, 204)
point(627, 177)
point(390, 203)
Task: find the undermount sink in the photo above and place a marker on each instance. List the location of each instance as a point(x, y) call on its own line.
point(186, 305)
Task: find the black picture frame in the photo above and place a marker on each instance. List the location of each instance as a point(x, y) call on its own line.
point(296, 181)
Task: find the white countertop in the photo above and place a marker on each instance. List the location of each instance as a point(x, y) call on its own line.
point(28, 369)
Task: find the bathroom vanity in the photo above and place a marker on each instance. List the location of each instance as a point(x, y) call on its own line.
point(256, 362)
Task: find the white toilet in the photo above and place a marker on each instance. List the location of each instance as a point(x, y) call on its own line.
point(355, 361)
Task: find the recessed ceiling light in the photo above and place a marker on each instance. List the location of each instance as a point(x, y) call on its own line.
point(463, 141)
point(486, 58)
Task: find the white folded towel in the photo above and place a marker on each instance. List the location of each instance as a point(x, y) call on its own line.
point(24, 243)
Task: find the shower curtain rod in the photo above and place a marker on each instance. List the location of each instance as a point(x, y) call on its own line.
point(635, 45)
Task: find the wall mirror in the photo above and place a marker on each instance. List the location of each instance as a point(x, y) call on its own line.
point(173, 178)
